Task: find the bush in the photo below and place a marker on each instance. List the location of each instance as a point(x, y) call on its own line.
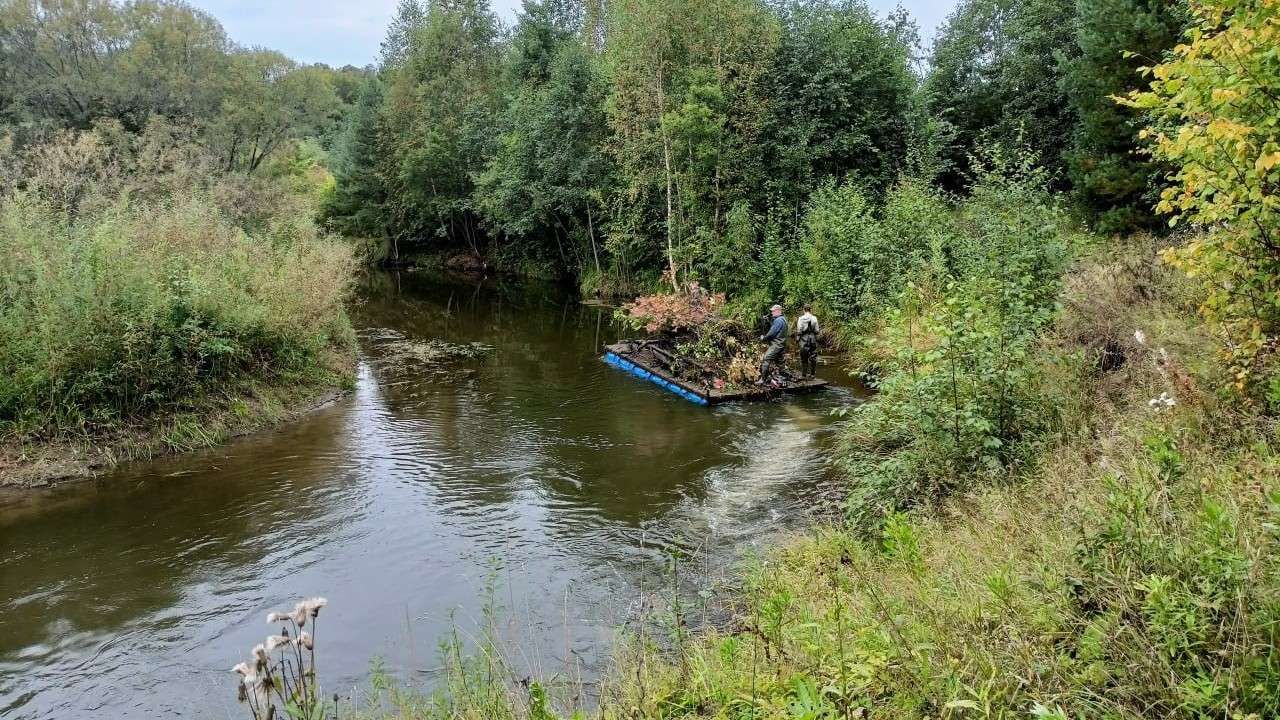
point(113, 310)
point(961, 389)
point(1213, 105)
point(853, 258)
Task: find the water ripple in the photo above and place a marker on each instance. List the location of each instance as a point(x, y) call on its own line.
point(544, 479)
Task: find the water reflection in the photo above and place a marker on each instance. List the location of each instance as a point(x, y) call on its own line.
point(543, 471)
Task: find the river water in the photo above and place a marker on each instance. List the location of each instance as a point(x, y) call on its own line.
point(541, 478)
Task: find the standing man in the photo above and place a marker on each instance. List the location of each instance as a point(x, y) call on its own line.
point(807, 334)
point(777, 339)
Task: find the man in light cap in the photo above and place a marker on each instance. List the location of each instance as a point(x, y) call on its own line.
point(777, 339)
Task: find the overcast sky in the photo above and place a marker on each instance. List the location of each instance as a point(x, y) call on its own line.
point(341, 32)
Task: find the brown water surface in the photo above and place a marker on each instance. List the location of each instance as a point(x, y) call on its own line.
point(544, 474)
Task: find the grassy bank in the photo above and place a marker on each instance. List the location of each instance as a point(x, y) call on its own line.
point(149, 304)
point(1127, 571)
point(1120, 565)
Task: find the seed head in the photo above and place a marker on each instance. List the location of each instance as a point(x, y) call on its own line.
point(275, 641)
point(313, 605)
point(304, 640)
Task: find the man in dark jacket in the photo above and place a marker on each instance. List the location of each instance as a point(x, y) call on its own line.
point(777, 339)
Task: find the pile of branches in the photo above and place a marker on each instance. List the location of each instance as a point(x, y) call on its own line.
point(693, 339)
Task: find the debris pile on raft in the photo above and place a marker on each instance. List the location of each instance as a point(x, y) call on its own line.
point(695, 341)
point(395, 353)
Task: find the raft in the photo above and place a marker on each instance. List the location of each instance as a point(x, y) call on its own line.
point(626, 356)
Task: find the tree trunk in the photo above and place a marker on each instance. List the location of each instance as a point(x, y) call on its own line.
point(666, 164)
point(595, 253)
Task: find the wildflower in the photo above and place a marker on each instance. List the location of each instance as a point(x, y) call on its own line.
point(313, 605)
point(1140, 336)
point(260, 655)
point(257, 693)
point(243, 668)
point(275, 641)
point(276, 617)
point(304, 641)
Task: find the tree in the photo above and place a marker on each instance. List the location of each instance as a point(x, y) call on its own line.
point(357, 206)
point(408, 18)
point(441, 121)
point(68, 64)
point(273, 100)
point(996, 78)
point(841, 90)
point(1214, 108)
point(546, 184)
point(1108, 173)
point(686, 113)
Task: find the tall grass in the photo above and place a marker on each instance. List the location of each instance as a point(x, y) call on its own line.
point(119, 309)
point(1129, 572)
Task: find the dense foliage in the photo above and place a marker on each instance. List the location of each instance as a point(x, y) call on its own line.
point(630, 144)
point(158, 250)
point(72, 64)
point(1116, 38)
point(997, 78)
point(1215, 111)
point(134, 277)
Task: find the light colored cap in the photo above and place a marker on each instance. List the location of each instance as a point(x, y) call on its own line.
point(776, 307)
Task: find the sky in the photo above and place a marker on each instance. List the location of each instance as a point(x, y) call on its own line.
point(341, 32)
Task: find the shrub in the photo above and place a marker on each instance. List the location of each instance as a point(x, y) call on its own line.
point(117, 313)
point(673, 312)
point(961, 389)
point(1213, 106)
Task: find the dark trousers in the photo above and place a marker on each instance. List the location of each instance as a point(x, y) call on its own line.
point(771, 356)
point(808, 358)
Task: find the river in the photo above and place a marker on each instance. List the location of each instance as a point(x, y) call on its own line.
point(541, 477)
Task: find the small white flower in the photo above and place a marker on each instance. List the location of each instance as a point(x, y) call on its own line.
point(313, 605)
point(275, 641)
point(1164, 401)
point(1140, 336)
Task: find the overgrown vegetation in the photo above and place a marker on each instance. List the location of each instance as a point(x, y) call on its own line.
point(1063, 497)
point(161, 271)
point(119, 306)
point(628, 145)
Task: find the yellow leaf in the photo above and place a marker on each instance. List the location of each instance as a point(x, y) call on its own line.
point(1266, 162)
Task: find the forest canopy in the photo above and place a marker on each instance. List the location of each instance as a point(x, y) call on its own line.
point(635, 143)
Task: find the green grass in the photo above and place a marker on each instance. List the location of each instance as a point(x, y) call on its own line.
point(1131, 571)
point(148, 310)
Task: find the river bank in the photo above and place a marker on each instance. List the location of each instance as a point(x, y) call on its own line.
point(205, 421)
point(1128, 570)
point(536, 471)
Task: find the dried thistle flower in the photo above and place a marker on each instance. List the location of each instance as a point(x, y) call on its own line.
point(275, 617)
point(304, 640)
point(313, 605)
point(243, 668)
point(274, 641)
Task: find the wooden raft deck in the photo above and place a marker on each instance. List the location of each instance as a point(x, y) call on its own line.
point(622, 355)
